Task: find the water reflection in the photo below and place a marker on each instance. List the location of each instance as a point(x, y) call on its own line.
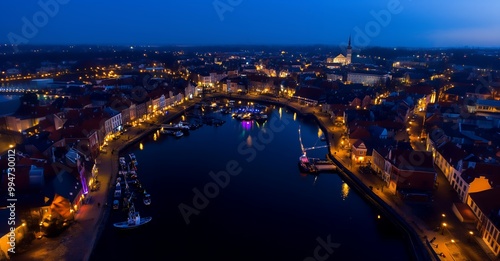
point(345, 190)
point(141, 147)
point(249, 141)
point(247, 125)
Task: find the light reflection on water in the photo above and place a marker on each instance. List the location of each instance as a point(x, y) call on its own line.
point(270, 211)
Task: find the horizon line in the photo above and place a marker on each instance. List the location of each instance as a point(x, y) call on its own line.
point(247, 45)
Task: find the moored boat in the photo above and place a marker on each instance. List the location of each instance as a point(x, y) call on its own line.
point(147, 199)
point(134, 220)
point(178, 134)
point(133, 159)
point(306, 166)
point(260, 118)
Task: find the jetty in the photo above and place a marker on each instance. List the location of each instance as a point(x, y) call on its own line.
point(323, 165)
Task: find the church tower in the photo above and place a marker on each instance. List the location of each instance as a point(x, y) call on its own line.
point(349, 52)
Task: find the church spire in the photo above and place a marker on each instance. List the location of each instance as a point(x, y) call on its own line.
point(349, 52)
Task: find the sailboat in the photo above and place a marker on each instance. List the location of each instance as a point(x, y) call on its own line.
point(134, 220)
point(305, 164)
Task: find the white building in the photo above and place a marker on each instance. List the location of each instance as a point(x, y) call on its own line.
point(113, 122)
point(368, 78)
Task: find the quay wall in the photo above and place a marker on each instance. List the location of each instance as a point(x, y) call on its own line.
point(114, 158)
point(415, 246)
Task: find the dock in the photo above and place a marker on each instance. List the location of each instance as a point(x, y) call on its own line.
point(323, 165)
point(174, 127)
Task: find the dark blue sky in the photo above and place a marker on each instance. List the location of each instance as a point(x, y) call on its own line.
point(410, 23)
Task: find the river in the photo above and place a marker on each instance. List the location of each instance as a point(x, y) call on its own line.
point(234, 192)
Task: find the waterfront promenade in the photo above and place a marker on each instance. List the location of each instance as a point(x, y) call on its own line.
point(418, 220)
point(78, 241)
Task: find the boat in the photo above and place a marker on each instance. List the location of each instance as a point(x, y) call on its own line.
point(261, 118)
point(134, 220)
point(182, 125)
point(118, 193)
point(122, 161)
point(132, 174)
point(133, 159)
point(118, 190)
point(147, 199)
point(178, 134)
point(247, 117)
point(166, 131)
point(306, 166)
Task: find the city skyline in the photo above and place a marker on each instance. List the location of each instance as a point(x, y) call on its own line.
point(391, 23)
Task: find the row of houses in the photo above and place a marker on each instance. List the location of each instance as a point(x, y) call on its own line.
point(56, 160)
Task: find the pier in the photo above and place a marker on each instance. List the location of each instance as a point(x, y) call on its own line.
point(323, 165)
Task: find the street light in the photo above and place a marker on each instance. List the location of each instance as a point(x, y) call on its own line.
point(444, 226)
point(471, 235)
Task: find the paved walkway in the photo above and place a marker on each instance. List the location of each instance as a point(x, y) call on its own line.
point(78, 241)
point(454, 242)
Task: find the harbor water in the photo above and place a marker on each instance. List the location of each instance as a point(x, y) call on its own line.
point(234, 192)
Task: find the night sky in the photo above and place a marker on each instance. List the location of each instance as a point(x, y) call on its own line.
point(391, 23)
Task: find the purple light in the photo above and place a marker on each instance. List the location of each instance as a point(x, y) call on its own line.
point(247, 125)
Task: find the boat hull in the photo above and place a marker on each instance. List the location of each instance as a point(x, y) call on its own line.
point(307, 168)
point(127, 225)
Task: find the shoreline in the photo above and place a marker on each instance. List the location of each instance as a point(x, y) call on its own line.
point(105, 212)
point(415, 245)
point(89, 241)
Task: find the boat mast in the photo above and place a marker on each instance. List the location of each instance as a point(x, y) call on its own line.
point(311, 148)
point(301, 144)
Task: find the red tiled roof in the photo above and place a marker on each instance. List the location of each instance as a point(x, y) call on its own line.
point(485, 200)
point(310, 93)
point(413, 160)
point(420, 89)
point(72, 114)
point(42, 111)
point(356, 102)
point(55, 135)
point(338, 107)
point(451, 152)
point(357, 143)
point(434, 119)
point(360, 133)
point(492, 173)
point(73, 103)
point(465, 211)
